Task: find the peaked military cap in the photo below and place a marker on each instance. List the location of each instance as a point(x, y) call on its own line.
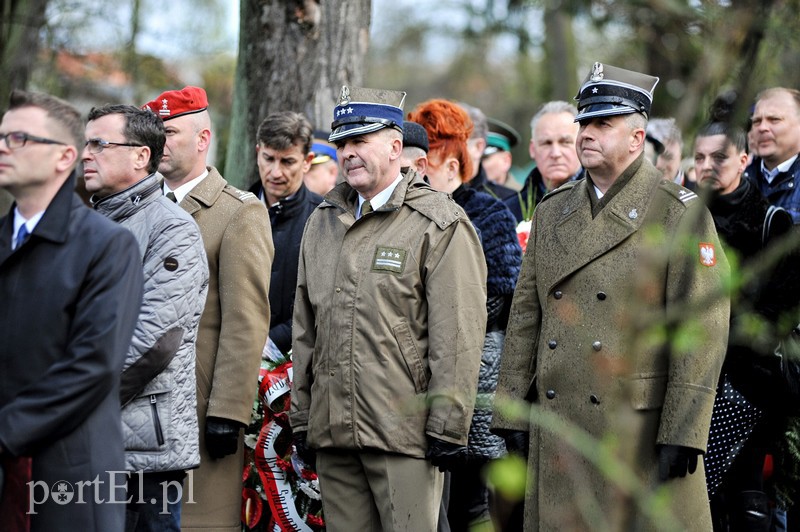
point(323, 150)
point(414, 135)
point(610, 90)
point(361, 110)
point(501, 137)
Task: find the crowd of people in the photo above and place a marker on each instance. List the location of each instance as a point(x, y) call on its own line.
point(637, 351)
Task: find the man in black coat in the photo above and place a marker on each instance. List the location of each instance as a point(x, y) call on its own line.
point(284, 155)
point(71, 286)
point(750, 229)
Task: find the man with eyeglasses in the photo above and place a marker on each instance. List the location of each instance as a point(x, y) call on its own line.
point(71, 288)
point(124, 145)
point(235, 323)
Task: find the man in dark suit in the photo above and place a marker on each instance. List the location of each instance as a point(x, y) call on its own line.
point(71, 286)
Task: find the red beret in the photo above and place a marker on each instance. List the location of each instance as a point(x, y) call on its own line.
point(186, 101)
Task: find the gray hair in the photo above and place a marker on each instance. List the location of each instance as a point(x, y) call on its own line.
point(636, 121)
point(556, 106)
point(480, 125)
point(665, 131)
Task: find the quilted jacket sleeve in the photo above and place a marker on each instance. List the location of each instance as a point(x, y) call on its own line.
point(176, 275)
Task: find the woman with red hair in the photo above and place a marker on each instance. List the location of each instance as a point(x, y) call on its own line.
point(449, 166)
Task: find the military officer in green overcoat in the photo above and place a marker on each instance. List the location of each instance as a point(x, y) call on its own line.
point(618, 329)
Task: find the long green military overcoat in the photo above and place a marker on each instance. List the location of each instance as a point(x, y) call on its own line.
point(618, 327)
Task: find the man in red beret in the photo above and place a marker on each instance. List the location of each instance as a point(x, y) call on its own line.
point(234, 325)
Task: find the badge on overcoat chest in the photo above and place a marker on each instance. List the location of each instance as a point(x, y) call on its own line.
point(389, 260)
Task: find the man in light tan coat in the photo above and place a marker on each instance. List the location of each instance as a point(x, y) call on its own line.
point(617, 333)
point(235, 323)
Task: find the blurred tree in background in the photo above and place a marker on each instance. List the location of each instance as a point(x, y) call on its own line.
point(293, 55)
point(509, 56)
point(504, 56)
point(20, 24)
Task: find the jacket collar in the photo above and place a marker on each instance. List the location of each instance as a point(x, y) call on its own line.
point(480, 180)
point(344, 197)
point(535, 181)
point(285, 208)
point(123, 204)
point(580, 239)
point(54, 225)
point(206, 193)
point(782, 177)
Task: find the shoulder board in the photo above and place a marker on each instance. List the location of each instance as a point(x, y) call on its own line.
point(682, 194)
point(436, 206)
point(566, 186)
point(241, 195)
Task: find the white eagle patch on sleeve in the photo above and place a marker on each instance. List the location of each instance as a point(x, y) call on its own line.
point(708, 256)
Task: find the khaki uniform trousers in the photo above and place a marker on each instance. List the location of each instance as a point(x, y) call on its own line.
point(378, 492)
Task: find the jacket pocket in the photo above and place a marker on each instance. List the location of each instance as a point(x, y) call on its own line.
point(410, 353)
point(647, 393)
point(145, 421)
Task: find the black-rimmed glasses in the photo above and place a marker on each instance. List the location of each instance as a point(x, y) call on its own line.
point(98, 145)
point(17, 139)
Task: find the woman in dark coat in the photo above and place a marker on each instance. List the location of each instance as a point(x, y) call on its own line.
point(449, 167)
point(748, 227)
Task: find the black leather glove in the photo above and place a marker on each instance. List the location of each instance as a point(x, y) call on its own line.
point(517, 442)
point(222, 436)
point(445, 455)
point(676, 461)
point(301, 447)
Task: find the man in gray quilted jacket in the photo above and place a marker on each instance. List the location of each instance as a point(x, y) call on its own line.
point(159, 407)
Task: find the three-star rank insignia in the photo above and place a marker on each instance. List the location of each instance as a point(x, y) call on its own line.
point(388, 259)
point(708, 256)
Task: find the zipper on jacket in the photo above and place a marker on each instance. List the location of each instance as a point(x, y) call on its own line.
point(156, 421)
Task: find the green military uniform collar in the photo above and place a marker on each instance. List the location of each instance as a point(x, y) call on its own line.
point(619, 184)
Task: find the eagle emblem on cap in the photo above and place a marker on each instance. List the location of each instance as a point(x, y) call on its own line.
point(597, 72)
point(344, 97)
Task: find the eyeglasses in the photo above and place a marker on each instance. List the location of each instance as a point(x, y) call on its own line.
point(98, 145)
point(17, 139)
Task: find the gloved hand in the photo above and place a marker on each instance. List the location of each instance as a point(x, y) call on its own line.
point(222, 436)
point(676, 461)
point(301, 447)
point(517, 441)
point(445, 455)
